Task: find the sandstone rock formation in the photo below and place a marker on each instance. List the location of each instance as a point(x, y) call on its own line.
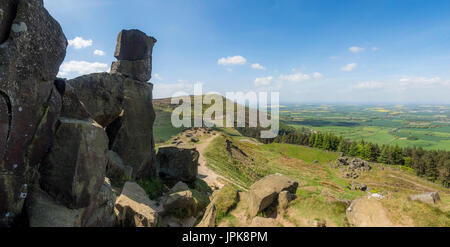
point(431, 197)
point(53, 143)
point(75, 167)
point(134, 54)
point(177, 163)
point(134, 208)
point(32, 47)
point(265, 192)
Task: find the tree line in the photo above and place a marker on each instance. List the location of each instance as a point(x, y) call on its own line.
point(433, 165)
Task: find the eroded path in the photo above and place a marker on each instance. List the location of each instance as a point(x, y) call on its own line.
point(204, 172)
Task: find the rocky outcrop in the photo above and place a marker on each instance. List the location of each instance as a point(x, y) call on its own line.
point(134, 53)
point(209, 217)
point(431, 197)
point(178, 163)
point(102, 94)
point(75, 167)
point(32, 47)
point(131, 135)
point(133, 207)
point(265, 192)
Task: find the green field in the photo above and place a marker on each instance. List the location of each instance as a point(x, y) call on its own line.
point(406, 126)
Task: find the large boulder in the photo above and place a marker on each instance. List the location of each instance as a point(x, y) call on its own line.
point(181, 200)
point(44, 211)
point(74, 170)
point(134, 45)
point(178, 163)
point(131, 135)
point(265, 192)
point(134, 53)
point(368, 212)
point(430, 197)
point(102, 94)
point(32, 47)
point(133, 207)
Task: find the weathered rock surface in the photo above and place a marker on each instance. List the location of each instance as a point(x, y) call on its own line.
point(178, 163)
point(134, 45)
point(263, 222)
point(44, 211)
point(75, 167)
point(431, 197)
point(32, 47)
point(265, 192)
point(137, 70)
point(368, 212)
point(134, 53)
point(72, 107)
point(182, 200)
point(180, 186)
point(284, 197)
point(103, 214)
point(116, 169)
point(131, 135)
point(134, 208)
point(102, 94)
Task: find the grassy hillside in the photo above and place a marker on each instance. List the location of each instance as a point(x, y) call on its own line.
point(321, 187)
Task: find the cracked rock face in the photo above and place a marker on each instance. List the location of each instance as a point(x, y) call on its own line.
point(32, 47)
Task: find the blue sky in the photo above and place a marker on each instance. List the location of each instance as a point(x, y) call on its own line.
point(311, 51)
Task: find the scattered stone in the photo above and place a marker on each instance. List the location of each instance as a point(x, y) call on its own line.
point(265, 191)
point(362, 187)
point(195, 139)
point(133, 207)
point(180, 164)
point(431, 197)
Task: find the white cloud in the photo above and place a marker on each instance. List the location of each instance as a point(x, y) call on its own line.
point(235, 60)
point(81, 68)
point(258, 66)
point(157, 77)
point(166, 90)
point(263, 81)
point(99, 53)
point(375, 48)
point(349, 67)
point(79, 43)
point(317, 75)
point(356, 49)
point(367, 85)
point(296, 77)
